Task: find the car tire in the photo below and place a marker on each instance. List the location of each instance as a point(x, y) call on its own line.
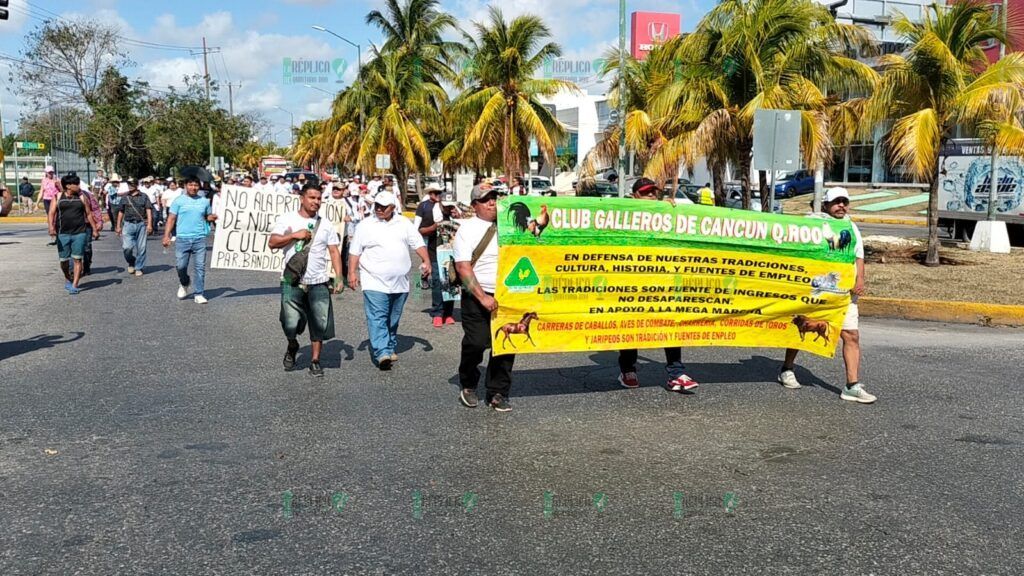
point(790, 192)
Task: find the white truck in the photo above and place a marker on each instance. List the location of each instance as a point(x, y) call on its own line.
point(965, 175)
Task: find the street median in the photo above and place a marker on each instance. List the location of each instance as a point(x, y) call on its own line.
point(942, 311)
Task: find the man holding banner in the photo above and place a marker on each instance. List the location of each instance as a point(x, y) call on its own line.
point(835, 203)
point(308, 302)
point(646, 189)
point(476, 259)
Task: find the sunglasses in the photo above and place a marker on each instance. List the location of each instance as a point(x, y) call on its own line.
point(379, 208)
point(842, 201)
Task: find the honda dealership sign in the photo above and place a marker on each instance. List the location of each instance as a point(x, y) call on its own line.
point(650, 29)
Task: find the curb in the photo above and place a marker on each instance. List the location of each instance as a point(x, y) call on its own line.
point(904, 221)
point(23, 220)
point(939, 311)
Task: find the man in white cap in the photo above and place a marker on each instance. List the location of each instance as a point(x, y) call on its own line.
point(379, 261)
point(835, 204)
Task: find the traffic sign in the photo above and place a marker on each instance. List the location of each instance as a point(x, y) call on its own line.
point(776, 140)
point(383, 161)
point(30, 145)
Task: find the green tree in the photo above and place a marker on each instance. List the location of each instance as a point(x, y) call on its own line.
point(64, 61)
point(943, 81)
point(501, 110)
point(116, 130)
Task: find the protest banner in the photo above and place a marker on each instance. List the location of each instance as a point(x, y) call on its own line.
point(451, 290)
point(579, 274)
point(244, 221)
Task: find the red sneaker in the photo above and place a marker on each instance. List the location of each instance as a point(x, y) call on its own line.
point(629, 380)
point(681, 383)
point(438, 322)
point(449, 320)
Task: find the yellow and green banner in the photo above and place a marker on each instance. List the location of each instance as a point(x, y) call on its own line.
point(580, 274)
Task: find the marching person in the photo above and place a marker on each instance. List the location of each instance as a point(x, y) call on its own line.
point(379, 261)
point(430, 215)
point(134, 224)
point(476, 260)
point(96, 213)
point(49, 190)
point(71, 224)
point(835, 204)
point(308, 302)
point(678, 381)
point(113, 199)
point(190, 217)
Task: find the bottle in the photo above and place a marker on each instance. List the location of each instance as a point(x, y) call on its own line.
point(302, 243)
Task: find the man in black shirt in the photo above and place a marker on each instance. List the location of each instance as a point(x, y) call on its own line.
point(134, 225)
point(429, 216)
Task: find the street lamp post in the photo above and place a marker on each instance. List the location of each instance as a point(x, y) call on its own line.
point(359, 73)
point(319, 89)
point(293, 122)
point(622, 99)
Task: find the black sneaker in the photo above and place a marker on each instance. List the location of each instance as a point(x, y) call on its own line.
point(289, 355)
point(468, 398)
point(384, 363)
point(500, 404)
point(315, 369)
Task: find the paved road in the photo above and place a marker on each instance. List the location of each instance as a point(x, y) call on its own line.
point(143, 435)
point(896, 230)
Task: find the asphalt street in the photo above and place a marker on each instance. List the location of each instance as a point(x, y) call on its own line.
point(140, 434)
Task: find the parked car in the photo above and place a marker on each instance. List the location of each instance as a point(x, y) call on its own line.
point(734, 199)
point(543, 186)
point(597, 189)
point(799, 182)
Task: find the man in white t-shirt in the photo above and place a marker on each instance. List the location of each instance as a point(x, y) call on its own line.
point(379, 261)
point(476, 259)
point(835, 204)
point(307, 300)
point(168, 196)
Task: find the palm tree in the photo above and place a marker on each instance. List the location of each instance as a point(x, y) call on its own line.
point(399, 104)
point(416, 29)
point(746, 55)
point(943, 80)
point(501, 109)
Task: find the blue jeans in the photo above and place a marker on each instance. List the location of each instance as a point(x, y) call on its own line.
point(133, 243)
point(196, 248)
point(383, 311)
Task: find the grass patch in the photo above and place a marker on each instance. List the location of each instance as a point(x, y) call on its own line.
point(896, 270)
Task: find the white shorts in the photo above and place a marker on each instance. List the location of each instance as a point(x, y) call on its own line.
point(852, 320)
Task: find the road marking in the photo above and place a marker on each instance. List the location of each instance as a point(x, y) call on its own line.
point(897, 203)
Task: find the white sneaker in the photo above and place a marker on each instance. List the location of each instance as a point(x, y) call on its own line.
point(857, 393)
point(138, 272)
point(131, 269)
point(788, 379)
point(200, 299)
point(182, 292)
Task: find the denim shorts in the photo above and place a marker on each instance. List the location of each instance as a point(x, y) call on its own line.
point(307, 305)
point(71, 246)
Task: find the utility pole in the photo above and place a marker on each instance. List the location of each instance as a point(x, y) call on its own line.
point(231, 97)
point(206, 77)
point(622, 99)
point(993, 196)
point(991, 235)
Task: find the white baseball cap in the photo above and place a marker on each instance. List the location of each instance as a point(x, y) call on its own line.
point(834, 193)
point(384, 198)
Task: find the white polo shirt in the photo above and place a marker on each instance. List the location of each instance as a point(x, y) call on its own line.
point(383, 250)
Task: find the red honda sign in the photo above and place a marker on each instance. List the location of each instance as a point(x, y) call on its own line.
point(650, 29)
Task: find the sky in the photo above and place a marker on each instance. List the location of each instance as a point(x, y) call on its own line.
point(252, 38)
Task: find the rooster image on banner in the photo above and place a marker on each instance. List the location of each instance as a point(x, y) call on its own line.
point(519, 214)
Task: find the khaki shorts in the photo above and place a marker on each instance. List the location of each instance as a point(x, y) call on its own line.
point(852, 320)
